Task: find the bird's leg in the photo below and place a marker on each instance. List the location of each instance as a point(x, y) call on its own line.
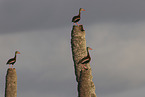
point(74, 23)
point(12, 66)
point(9, 66)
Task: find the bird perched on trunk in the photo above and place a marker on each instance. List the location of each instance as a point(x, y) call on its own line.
point(86, 59)
point(76, 19)
point(13, 60)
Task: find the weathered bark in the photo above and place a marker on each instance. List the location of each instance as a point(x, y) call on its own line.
point(11, 83)
point(86, 86)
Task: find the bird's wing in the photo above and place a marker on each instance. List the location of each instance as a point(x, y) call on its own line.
point(10, 61)
point(75, 18)
point(83, 60)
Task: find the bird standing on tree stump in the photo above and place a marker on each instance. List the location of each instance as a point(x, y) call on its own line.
point(76, 19)
point(13, 60)
point(86, 59)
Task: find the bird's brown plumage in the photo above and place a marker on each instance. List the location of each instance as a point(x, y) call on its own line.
point(86, 59)
point(77, 18)
point(13, 60)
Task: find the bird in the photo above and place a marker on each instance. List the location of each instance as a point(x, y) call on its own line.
point(77, 18)
point(86, 59)
point(12, 60)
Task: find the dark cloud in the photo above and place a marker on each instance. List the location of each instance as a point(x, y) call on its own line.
point(45, 65)
point(45, 14)
point(34, 82)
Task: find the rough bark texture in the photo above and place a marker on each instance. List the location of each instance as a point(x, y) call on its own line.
point(86, 86)
point(11, 83)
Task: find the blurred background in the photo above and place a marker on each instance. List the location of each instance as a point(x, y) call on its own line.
point(41, 30)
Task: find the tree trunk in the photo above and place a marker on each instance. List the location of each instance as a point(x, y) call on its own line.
point(11, 83)
point(86, 86)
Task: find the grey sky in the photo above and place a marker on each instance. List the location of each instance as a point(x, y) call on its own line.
point(19, 15)
point(40, 30)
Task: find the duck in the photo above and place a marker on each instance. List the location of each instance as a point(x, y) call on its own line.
point(77, 18)
point(12, 60)
point(86, 59)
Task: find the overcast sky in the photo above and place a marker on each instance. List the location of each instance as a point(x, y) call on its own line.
point(41, 31)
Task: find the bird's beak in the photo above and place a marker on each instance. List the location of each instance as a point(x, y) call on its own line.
point(91, 49)
point(18, 53)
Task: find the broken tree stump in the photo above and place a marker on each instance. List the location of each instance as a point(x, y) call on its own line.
point(11, 83)
point(86, 87)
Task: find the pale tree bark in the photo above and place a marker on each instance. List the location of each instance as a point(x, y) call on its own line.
point(11, 83)
point(86, 87)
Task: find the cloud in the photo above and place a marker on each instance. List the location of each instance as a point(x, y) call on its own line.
point(36, 66)
point(22, 16)
point(118, 59)
point(129, 93)
point(45, 65)
point(114, 29)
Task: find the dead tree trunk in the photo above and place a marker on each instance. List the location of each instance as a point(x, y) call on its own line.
point(11, 83)
point(86, 86)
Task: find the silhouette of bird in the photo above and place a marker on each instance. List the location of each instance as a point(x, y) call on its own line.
point(86, 59)
point(13, 60)
point(77, 18)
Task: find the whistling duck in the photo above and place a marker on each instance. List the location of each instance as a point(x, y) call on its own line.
point(13, 60)
point(75, 19)
point(86, 59)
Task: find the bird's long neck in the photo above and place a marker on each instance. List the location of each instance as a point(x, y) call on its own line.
point(15, 56)
point(88, 52)
point(79, 13)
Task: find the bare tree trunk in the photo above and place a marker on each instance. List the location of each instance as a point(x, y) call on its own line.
point(86, 86)
point(11, 83)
